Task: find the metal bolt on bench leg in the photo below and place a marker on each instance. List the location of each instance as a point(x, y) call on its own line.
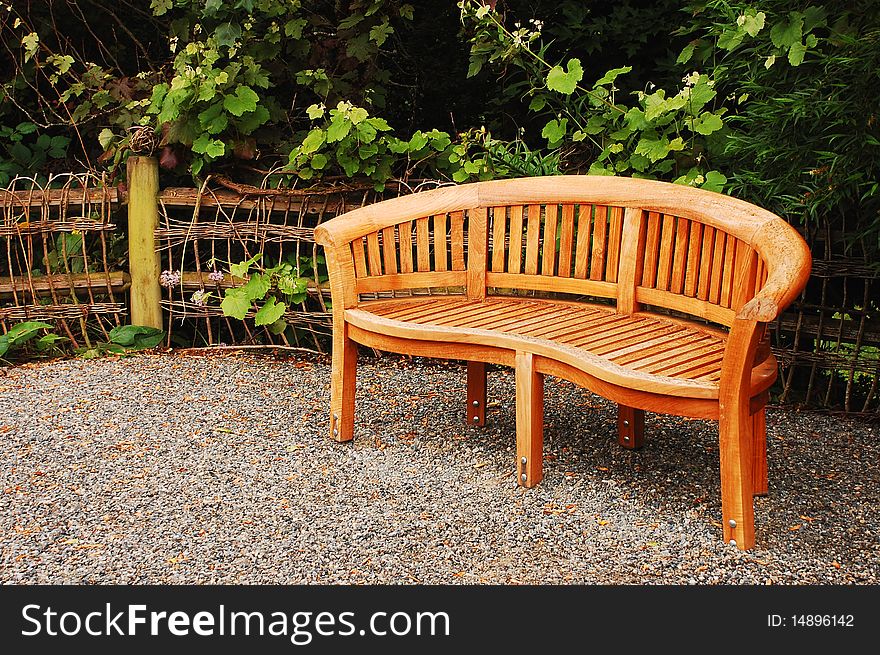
point(476, 419)
point(524, 477)
point(626, 424)
point(476, 403)
point(524, 461)
point(731, 523)
point(733, 542)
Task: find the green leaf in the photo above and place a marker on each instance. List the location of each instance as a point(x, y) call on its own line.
point(270, 312)
point(213, 120)
point(252, 120)
point(708, 123)
point(235, 304)
point(105, 137)
point(796, 54)
point(715, 181)
point(339, 128)
point(380, 124)
point(358, 115)
point(315, 111)
point(293, 28)
point(207, 146)
point(30, 43)
point(565, 81)
point(730, 39)
point(538, 103)
point(318, 161)
point(256, 287)
point(241, 269)
point(278, 327)
point(136, 336)
point(380, 33)
point(227, 34)
point(351, 21)
point(313, 141)
point(406, 11)
point(360, 47)
point(785, 35)
point(754, 24)
point(366, 133)
point(161, 7)
point(653, 149)
point(612, 75)
point(554, 131)
point(417, 142)
point(23, 332)
point(686, 53)
point(48, 341)
point(700, 93)
point(244, 100)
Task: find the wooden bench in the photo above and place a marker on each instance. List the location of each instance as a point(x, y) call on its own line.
point(655, 296)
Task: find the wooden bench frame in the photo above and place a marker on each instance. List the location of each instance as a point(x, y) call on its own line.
point(650, 248)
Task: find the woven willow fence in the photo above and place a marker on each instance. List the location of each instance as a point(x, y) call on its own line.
point(58, 261)
point(65, 260)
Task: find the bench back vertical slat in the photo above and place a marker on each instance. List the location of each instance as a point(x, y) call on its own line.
point(652, 250)
point(514, 255)
point(679, 257)
point(374, 254)
point(582, 248)
point(600, 236)
point(667, 245)
point(478, 232)
point(566, 240)
point(389, 250)
point(615, 228)
point(441, 249)
point(456, 240)
point(499, 236)
point(706, 262)
point(533, 239)
point(717, 267)
point(360, 262)
point(728, 271)
point(632, 253)
point(548, 250)
point(745, 278)
point(423, 244)
point(692, 268)
point(404, 233)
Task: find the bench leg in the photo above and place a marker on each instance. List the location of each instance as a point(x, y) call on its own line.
point(476, 393)
point(630, 427)
point(759, 453)
point(529, 421)
point(342, 385)
point(736, 445)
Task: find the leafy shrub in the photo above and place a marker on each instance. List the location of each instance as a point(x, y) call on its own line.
point(801, 79)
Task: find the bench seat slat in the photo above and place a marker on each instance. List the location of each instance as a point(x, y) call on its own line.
point(663, 351)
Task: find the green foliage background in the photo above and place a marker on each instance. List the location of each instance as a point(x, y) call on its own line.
point(773, 101)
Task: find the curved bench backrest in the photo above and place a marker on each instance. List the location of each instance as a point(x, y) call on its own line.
point(634, 241)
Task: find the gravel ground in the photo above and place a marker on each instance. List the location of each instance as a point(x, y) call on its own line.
point(216, 468)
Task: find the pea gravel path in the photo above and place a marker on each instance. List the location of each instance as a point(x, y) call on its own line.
point(215, 468)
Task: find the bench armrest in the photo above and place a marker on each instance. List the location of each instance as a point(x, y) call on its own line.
point(789, 270)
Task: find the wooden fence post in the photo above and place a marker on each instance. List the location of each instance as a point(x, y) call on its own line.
point(143, 260)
